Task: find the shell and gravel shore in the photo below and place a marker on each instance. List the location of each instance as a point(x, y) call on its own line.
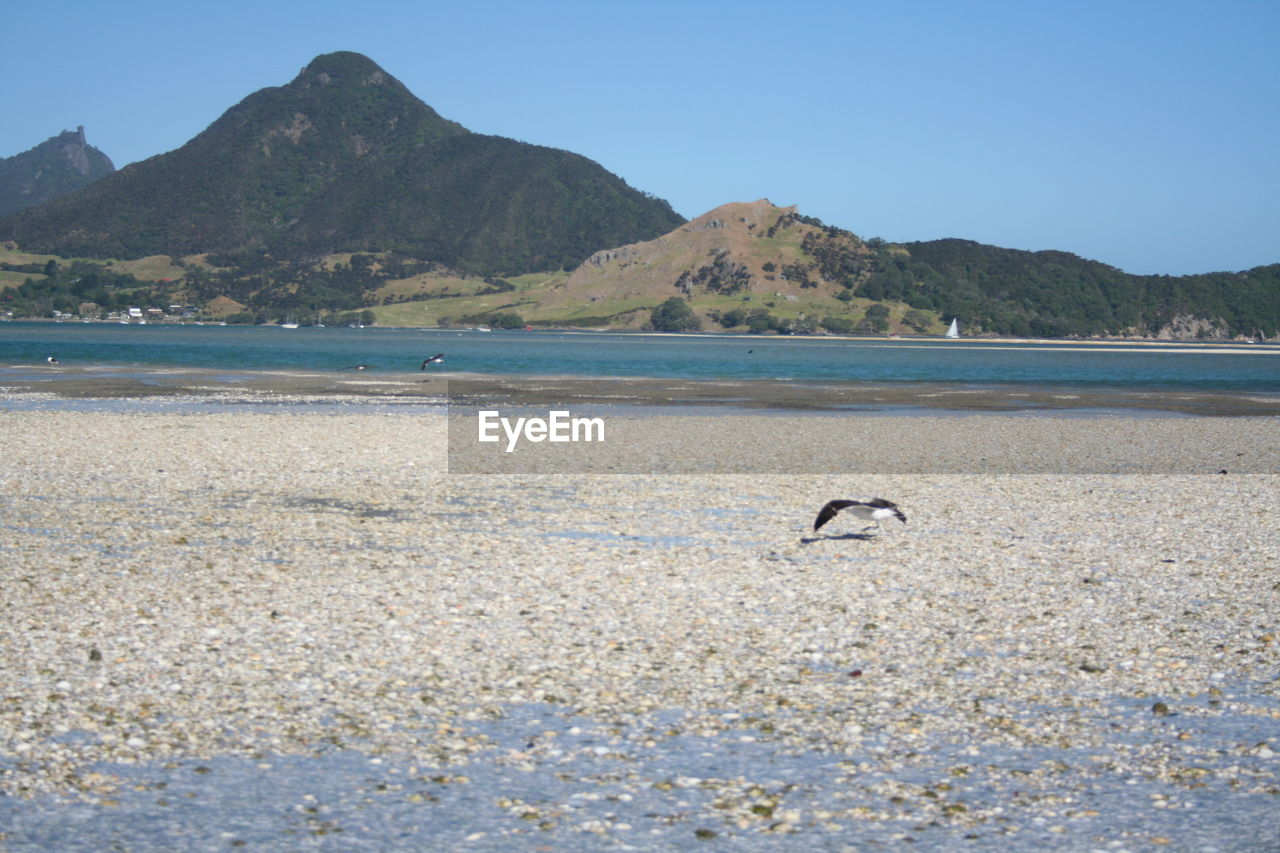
point(282, 629)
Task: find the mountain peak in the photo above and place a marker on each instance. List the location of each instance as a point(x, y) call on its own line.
point(741, 215)
point(58, 166)
point(341, 61)
point(343, 66)
point(345, 158)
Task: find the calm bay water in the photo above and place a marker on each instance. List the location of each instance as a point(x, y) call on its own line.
point(1225, 367)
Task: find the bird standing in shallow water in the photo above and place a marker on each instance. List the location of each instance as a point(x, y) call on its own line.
point(873, 510)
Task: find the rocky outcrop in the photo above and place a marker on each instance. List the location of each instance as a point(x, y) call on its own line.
point(1187, 327)
point(54, 168)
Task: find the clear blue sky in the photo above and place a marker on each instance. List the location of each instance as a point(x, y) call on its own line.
point(1142, 134)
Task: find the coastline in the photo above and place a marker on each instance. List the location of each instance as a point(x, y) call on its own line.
point(730, 396)
point(1248, 344)
point(219, 619)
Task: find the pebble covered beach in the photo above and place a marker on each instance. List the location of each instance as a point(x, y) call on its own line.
point(295, 629)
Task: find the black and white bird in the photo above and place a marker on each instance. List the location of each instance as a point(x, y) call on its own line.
point(435, 359)
point(52, 360)
point(874, 510)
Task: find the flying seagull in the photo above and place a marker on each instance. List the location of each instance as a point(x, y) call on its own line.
point(52, 360)
point(873, 510)
point(435, 359)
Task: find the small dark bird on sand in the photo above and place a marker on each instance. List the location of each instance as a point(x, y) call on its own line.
point(435, 359)
point(873, 510)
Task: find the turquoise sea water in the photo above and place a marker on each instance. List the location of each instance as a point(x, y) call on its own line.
point(1220, 367)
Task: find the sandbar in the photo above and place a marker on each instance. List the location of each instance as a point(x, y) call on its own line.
point(275, 629)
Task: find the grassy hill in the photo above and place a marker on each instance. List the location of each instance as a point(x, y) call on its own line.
point(743, 266)
point(738, 263)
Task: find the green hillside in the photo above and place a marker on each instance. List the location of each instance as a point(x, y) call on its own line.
point(1053, 294)
point(346, 159)
point(745, 267)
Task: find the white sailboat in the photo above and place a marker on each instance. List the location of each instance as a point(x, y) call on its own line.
point(954, 331)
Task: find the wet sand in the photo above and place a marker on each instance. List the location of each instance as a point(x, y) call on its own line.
point(985, 444)
point(756, 395)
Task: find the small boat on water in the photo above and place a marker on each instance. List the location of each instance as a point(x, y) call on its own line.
point(954, 330)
